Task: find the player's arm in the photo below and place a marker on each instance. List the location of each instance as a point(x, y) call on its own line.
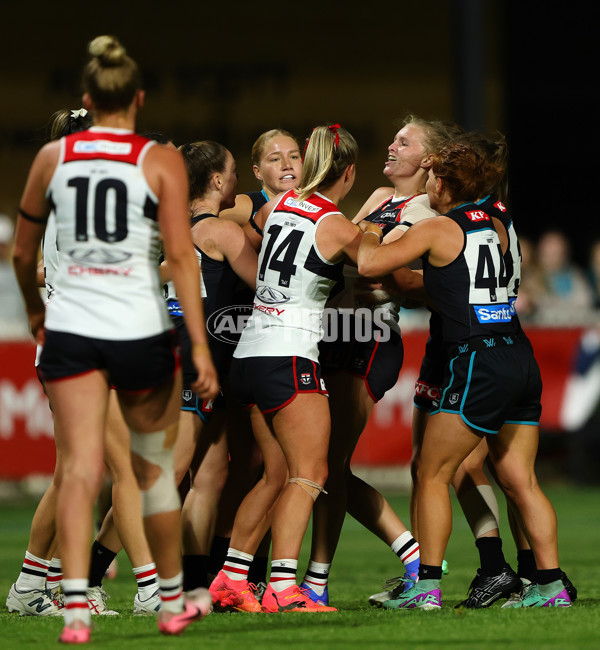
point(34, 209)
point(376, 259)
point(230, 242)
point(241, 211)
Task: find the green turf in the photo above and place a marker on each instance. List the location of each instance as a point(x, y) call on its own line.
point(361, 565)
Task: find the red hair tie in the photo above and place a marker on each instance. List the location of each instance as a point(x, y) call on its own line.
point(334, 129)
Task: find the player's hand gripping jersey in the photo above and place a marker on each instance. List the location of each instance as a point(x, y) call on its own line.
point(107, 284)
point(293, 282)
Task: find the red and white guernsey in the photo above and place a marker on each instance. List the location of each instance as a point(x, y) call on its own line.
point(293, 282)
point(107, 285)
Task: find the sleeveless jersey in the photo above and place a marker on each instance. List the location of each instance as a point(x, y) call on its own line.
point(512, 256)
point(258, 200)
point(107, 283)
point(50, 255)
point(293, 282)
point(388, 215)
point(170, 293)
point(471, 292)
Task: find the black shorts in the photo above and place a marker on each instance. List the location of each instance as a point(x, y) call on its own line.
point(203, 408)
point(377, 362)
point(273, 382)
point(428, 387)
point(134, 365)
point(492, 387)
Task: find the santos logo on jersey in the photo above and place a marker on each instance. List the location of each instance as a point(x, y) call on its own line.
point(493, 313)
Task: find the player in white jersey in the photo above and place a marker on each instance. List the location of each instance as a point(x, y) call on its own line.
point(275, 368)
point(113, 192)
point(363, 363)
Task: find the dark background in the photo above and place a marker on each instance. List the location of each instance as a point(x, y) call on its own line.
point(231, 70)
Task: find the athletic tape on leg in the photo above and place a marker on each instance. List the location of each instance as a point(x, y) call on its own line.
point(162, 495)
point(481, 509)
point(311, 488)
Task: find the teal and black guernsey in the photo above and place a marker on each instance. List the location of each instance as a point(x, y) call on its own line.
point(472, 292)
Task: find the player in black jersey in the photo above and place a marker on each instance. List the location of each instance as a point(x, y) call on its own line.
point(492, 385)
point(277, 164)
point(226, 261)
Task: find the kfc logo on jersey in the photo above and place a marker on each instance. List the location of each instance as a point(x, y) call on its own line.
point(477, 215)
point(500, 206)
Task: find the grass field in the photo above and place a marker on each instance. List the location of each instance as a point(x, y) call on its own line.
point(360, 567)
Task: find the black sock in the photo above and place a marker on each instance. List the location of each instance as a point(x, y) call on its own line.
point(218, 553)
point(195, 571)
point(258, 570)
point(428, 572)
point(546, 576)
point(100, 561)
point(526, 565)
point(490, 555)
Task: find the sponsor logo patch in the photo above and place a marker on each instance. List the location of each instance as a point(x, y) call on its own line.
point(493, 313)
point(477, 215)
point(103, 146)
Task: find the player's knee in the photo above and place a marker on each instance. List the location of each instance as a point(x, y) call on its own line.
point(154, 468)
point(310, 487)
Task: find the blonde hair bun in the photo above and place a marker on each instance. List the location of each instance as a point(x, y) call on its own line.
point(107, 50)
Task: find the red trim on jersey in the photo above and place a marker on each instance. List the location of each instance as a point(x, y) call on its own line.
point(136, 142)
point(325, 206)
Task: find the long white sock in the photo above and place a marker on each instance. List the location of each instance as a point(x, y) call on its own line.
point(171, 593)
point(317, 576)
point(237, 564)
point(76, 604)
point(54, 573)
point(33, 573)
point(283, 574)
point(147, 580)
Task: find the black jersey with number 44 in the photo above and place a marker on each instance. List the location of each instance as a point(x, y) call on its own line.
point(472, 292)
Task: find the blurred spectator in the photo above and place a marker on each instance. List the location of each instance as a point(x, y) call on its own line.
point(593, 272)
point(532, 284)
point(580, 413)
point(13, 319)
point(566, 294)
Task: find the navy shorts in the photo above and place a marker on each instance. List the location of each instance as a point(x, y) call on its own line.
point(428, 387)
point(189, 399)
point(134, 365)
point(377, 362)
point(273, 382)
point(492, 387)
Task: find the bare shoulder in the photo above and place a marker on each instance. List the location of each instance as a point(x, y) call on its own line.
point(376, 198)
point(241, 211)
